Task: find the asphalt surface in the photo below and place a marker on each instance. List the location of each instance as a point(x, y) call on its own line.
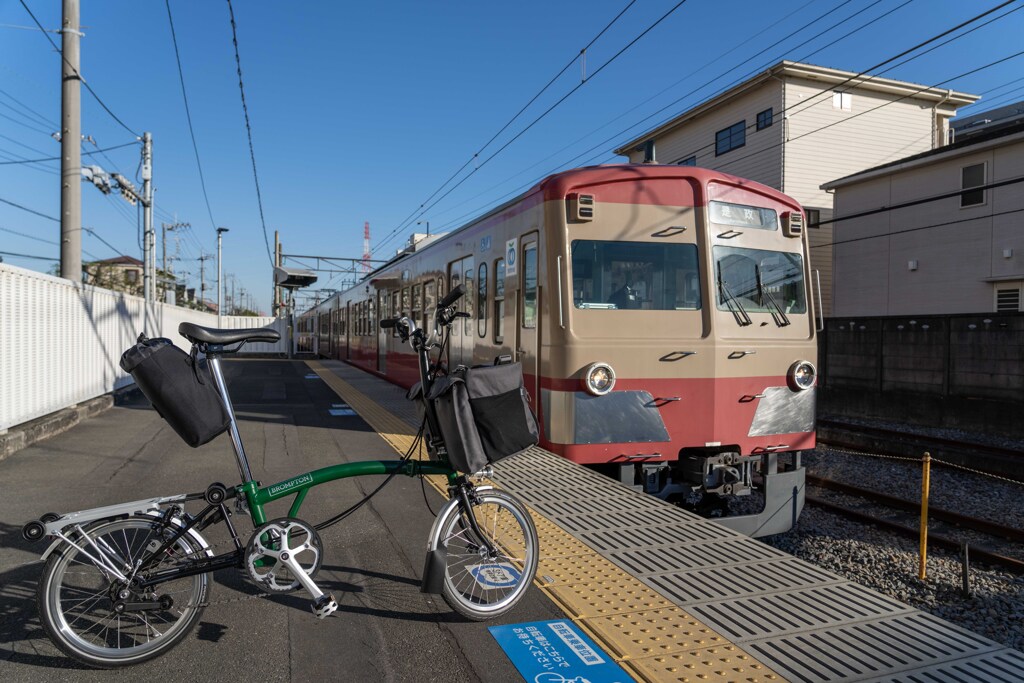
point(385, 629)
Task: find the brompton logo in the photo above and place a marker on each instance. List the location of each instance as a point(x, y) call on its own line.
point(291, 483)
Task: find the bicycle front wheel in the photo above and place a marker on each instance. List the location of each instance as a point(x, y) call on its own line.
point(102, 622)
point(486, 577)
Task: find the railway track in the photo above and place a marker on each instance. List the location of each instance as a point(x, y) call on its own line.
point(942, 522)
point(1006, 462)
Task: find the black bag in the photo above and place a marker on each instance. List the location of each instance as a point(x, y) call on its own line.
point(180, 387)
point(484, 415)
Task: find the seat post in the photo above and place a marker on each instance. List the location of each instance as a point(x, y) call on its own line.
point(236, 439)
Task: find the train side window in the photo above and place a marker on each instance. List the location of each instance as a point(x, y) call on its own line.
point(481, 301)
point(468, 299)
point(530, 285)
point(417, 302)
point(405, 301)
point(395, 301)
point(499, 301)
point(371, 317)
point(429, 302)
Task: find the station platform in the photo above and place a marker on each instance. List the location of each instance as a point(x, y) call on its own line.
point(669, 596)
point(675, 597)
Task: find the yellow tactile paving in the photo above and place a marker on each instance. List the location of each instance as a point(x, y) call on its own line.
point(653, 639)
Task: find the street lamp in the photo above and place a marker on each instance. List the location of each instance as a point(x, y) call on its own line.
point(220, 285)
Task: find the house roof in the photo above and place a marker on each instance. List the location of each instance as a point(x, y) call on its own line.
point(848, 80)
point(118, 261)
point(993, 137)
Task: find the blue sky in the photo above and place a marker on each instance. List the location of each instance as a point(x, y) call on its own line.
point(360, 111)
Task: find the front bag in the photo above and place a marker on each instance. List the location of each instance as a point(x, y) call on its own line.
point(484, 415)
point(180, 387)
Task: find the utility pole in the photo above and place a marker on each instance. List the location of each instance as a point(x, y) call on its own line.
point(220, 279)
point(202, 279)
point(149, 235)
point(164, 227)
point(70, 146)
point(276, 307)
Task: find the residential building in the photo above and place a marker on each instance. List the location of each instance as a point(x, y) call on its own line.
point(121, 274)
point(796, 126)
point(960, 254)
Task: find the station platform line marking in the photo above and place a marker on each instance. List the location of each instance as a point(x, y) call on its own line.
point(653, 639)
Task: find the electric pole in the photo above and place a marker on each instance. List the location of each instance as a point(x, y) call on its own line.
point(202, 279)
point(220, 279)
point(163, 237)
point(149, 235)
point(70, 146)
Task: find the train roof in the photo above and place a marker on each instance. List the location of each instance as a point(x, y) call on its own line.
point(557, 185)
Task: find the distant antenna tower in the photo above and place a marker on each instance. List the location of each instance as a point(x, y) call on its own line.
point(366, 248)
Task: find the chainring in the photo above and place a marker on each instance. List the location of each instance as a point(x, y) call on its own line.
point(269, 541)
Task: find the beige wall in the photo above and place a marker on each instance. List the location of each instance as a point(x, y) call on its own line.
point(956, 263)
point(759, 159)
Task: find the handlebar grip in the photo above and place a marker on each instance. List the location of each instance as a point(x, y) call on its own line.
point(452, 297)
point(389, 323)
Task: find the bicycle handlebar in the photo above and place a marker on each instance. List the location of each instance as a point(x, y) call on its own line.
point(389, 323)
point(452, 297)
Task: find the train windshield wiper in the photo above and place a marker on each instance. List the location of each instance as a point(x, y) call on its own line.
point(778, 315)
point(735, 307)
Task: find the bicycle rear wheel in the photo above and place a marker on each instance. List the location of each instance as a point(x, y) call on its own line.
point(78, 602)
point(481, 584)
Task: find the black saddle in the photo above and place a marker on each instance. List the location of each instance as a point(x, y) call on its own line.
point(211, 335)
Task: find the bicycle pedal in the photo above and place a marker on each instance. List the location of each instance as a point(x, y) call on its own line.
point(324, 606)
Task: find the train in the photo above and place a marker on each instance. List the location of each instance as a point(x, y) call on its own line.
point(664, 317)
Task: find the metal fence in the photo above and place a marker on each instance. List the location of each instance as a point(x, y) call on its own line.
point(60, 342)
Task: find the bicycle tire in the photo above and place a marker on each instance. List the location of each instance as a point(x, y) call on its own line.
point(76, 606)
point(477, 585)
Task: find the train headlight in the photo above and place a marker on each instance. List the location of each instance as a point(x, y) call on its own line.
point(599, 378)
point(801, 376)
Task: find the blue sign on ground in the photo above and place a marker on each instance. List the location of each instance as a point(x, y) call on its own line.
point(556, 652)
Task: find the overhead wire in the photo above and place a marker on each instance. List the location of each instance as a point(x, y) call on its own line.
point(248, 130)
point(78, 74)
point(57, 158)
point(40, 118)
point(188, 114)
point(539, 118)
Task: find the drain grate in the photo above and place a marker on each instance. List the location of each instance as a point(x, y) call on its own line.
point(746, 580)
point(726, 552)
point(627, 537)
point(1005, 666)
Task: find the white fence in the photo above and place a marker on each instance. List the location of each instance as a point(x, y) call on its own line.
point(60, 342)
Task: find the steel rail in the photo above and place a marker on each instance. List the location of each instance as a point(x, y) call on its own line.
point(917, 437)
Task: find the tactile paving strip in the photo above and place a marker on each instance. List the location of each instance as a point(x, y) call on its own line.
point(797, 619)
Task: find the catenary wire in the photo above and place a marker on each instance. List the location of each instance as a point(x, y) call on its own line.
point(78, 74)
point(57, 158)
point(544, 114)
point(188, 114)
point(248, 130)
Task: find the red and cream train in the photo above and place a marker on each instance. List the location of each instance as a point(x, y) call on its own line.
point(663, 316)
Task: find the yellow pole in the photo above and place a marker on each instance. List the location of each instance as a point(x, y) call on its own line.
point(922, 572)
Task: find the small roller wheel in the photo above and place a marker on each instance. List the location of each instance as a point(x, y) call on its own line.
point(33, 531)
point(49, 517)
point(216, 493)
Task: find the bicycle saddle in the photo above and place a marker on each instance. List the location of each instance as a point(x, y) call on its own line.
point(211, 335)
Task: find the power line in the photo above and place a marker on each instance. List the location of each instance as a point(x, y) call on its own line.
point(77, 72)
point(31, 256)
point(40, 117)
point(33, 211)
point(188, 114)
point(40, 239)
point(920, 227)
point(519, 113)
point(25, 125)
point(547, 111)
point(248, 130)
point(57, 158)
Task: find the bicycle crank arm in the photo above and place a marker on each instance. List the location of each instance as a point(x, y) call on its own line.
point(323, 604)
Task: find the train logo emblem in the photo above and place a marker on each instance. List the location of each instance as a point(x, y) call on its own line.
point(510, 256)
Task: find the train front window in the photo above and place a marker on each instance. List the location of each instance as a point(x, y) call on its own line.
point(609, 275)
point(759, 281)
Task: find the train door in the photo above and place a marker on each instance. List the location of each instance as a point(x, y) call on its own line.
point(528, 323)
point(348, 330)
point(455, 336)
point(382, 337)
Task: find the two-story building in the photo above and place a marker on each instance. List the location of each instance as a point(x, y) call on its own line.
point(937, 232)
point(796, 126)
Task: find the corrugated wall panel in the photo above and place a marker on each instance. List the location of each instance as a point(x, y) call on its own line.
point(60, 343)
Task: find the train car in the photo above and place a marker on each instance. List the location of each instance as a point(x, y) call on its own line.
point(663, 316)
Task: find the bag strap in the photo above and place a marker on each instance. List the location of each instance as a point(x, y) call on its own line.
point(194, 360)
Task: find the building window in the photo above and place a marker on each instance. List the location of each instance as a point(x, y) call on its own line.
point(972, 176)
point(842, 100)
point(730, 138)
point(813, 218)
point(131, 276)
point(764, 119)
point(688, 161)
point(1008, 298)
